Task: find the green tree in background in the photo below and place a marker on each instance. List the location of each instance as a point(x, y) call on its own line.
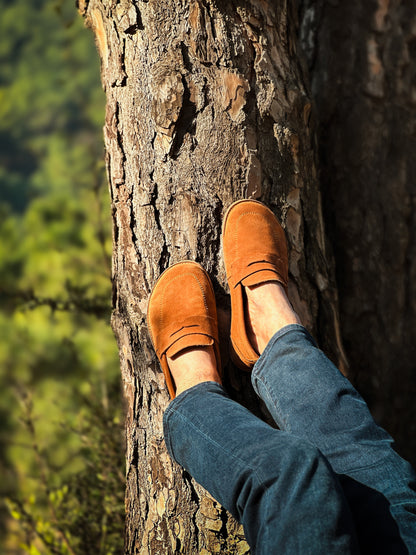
point(60, 435)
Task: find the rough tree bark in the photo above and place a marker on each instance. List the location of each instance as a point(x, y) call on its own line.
point(207, 103)
point(361, 58)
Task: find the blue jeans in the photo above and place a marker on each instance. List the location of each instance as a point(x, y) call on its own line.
point(328, 481)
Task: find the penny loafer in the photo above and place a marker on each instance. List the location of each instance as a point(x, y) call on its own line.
point(182, 314)
point(255, 252)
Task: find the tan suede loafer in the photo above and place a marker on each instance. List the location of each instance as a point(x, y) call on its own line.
point(255, 251)
point(182, 314)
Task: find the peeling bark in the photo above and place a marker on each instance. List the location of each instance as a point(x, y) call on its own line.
point(206, 104)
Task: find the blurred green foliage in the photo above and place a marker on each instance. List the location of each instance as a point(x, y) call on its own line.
point(61, 446)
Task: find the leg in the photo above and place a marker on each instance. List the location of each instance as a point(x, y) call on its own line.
point(280, 487)
point(308, 397)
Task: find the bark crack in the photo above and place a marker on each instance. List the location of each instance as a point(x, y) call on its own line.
point(133, 227)
point(138, 24)
point(223, 532)
point(119, 170)
point(187, 478)
point(164, 258)
point(185, 120)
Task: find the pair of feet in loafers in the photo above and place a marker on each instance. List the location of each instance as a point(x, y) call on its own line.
point(182, 315)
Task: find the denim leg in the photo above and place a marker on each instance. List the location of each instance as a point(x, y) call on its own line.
point(278, 486)
point(309, 398)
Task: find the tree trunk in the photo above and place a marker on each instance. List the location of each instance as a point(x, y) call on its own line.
point(362, 62)
point(206, 104)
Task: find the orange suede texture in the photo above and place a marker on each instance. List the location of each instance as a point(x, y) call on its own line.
point(182, 314)
point(255, 251)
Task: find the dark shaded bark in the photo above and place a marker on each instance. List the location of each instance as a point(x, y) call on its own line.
point(361, 59)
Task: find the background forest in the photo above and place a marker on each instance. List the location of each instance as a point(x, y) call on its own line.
point(62, 452)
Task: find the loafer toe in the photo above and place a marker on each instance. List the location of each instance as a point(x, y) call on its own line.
point(255, 251)
point(182, 314)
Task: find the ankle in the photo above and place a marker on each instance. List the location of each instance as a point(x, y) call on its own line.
point(269, 310)
point(193, 366)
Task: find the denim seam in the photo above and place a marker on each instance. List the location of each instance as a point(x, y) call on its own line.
point(365, 467)
point(262, 362)
point(278, 335)
point(178, 400)
point(240, 461)
point(277, 407)
point(258, 367)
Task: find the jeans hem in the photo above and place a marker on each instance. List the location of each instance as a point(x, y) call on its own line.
point(279, 334)
point(262, 364)
point(177, 401)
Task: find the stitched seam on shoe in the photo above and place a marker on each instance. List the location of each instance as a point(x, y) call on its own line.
point(269, 213)
point(149, 325)
point(243, 358)
point(174, 279)
point(250, 213)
